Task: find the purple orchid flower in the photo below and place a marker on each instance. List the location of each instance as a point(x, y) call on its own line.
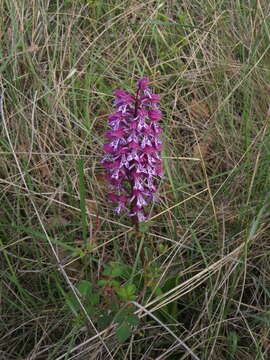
point(132, 157)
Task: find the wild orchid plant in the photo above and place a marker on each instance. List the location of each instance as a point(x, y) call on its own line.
point(132, 154)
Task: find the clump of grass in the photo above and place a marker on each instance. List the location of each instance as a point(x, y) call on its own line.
point(76, 281)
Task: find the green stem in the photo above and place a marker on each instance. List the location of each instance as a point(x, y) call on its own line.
point(137, 259)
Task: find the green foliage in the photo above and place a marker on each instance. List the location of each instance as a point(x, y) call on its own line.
point(115, 269)
point(90, 299)
point(126, 292)
point(105, 303)
point(126, 319)
point(144, 227)
point(233, 343)
point(123, 332)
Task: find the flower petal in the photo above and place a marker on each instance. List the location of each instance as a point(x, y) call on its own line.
point(154, 115)
point(143, 83)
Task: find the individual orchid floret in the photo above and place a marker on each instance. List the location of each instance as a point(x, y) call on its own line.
point(132, 159)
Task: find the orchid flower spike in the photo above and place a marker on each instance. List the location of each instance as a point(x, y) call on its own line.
point(132, 157)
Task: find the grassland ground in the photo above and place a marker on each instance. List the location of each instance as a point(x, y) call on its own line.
point(76, 281)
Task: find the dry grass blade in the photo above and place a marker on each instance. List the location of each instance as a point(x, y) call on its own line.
point(189, 285)
point(149, 313)
point(70, 266)
point(60, 266)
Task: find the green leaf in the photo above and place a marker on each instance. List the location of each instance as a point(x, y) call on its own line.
point(121, 316)
point(107, 270)
point(233, 343)
point(131, 288)
point(127, 315)
point(126, 292)
point(114, 269)
point(85, 288)
point(144, 227)
point(102, 282)
point(90, 310)
point(133, 319)
point(73, 303)
point(115, 283)
point(158, 291)
point(94, 299)
point(114, 307)
point(104, 321)
point(78, 253)
point(123, 332)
